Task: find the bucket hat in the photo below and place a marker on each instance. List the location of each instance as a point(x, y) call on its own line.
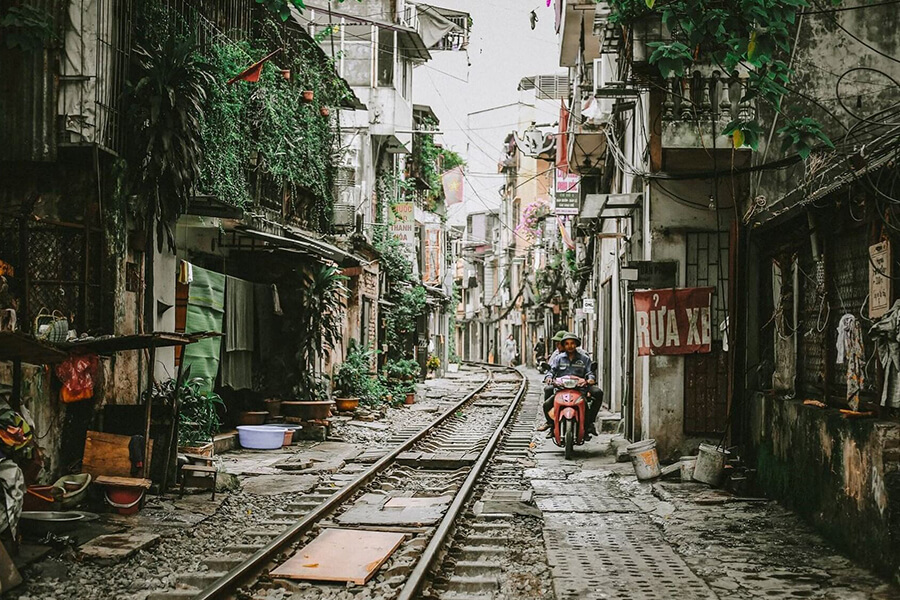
point(571, 336)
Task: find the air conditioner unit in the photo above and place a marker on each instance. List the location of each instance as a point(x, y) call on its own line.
point(344, 215)
point(605, 83)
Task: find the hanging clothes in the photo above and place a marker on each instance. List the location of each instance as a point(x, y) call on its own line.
point(205, 313)
point(886, 333)
point(237, 358)
point(850, 351)
point(266, 325)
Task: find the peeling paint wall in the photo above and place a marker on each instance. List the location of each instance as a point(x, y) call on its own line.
point(843, 475)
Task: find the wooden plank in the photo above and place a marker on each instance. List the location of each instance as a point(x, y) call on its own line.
point(123, 481)
point(107, 454)
point(352, 555)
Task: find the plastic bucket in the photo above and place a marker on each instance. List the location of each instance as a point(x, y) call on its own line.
point(644, 459)
point(710, 466)
point(688, 463)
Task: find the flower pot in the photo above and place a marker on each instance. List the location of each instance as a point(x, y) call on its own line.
point(453, 368)
point(410, 398)
point(346, 404)
point(324, 111)
point(307, 411)
point(307, 95)
point(204, 450)
point(273, 405)
point(256, 417)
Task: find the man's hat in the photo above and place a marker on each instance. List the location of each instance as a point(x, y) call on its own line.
point(571, 336)
point(559, 336)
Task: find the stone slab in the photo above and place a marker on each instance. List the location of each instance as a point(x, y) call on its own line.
point(117, 546)
point(371, 510)
point(272, 485)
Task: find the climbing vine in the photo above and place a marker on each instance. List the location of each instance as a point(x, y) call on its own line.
point(267, 127)
point(752, 34)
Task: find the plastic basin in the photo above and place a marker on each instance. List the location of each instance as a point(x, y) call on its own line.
point(260, 437)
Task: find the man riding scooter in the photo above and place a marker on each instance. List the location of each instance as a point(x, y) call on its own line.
point(571, 362)
point(556, 340)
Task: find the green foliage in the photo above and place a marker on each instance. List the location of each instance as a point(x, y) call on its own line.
point(396, 267)
point(433, 363)
point(753, 34)
point(294, 143)
point(26, 27)
point(352, 375)
point(408, 304)
point(198, 417)
point(803, 134)
point(166, 94)
point(227, 134)
point(198, 408)
point(401, 368)
point(318, 325)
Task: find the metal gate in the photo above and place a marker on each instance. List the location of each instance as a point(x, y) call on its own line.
point(58, 267)
point(706, 375)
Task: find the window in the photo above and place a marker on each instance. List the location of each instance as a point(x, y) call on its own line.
point(386, 57)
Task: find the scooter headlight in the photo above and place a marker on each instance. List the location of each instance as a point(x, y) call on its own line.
point(570, 384)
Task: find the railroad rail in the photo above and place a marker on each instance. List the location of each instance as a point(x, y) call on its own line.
point(471, 427)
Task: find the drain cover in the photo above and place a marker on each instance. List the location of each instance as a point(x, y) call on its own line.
point(585, 504)
point(626, 561)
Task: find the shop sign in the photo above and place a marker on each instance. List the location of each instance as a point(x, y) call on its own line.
point(879, 279)
point(404, 226)
point(565, 199)
point(588, 306)
point(651, 274)
point(673, 321)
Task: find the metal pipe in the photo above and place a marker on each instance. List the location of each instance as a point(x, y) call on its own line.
point(417, 577)
point(237, 575)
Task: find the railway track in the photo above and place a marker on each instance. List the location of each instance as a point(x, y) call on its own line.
point(442, 463)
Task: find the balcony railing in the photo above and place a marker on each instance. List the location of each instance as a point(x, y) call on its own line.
point(694, 106)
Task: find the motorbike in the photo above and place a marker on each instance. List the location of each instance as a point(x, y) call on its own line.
point(569, 413)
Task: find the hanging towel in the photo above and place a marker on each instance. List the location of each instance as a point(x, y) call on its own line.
point(850, 350)
point(185, 272)
point(239, 314)
point(276, 301)
point(205, 313)
point(237, 359)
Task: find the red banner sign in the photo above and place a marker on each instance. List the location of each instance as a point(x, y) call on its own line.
point(673, 321)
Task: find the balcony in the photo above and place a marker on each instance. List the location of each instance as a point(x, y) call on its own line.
point(696, 106)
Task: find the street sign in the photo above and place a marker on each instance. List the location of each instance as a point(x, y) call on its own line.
point(565, 198)
point(879, 279)
point(652, 274)
point(673, 321)
point(588, 306)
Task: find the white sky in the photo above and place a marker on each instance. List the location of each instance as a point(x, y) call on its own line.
point(502, 50)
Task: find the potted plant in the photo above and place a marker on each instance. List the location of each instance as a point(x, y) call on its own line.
point(452, 363)
point(198, 417)
point(433, 363)
point(324, 111)
point(307, 95)
point(401, 375)
point(350, 378)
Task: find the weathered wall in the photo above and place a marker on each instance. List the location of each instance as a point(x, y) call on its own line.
point(841, 474)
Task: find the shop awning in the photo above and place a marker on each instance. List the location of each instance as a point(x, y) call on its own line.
point(299, 242)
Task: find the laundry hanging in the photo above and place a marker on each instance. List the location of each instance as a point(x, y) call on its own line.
point(886, 334)
point(205, 313)
point(850, 351)
point(237, 357)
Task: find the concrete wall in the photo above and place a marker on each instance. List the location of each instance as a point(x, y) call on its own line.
point(843, 475)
